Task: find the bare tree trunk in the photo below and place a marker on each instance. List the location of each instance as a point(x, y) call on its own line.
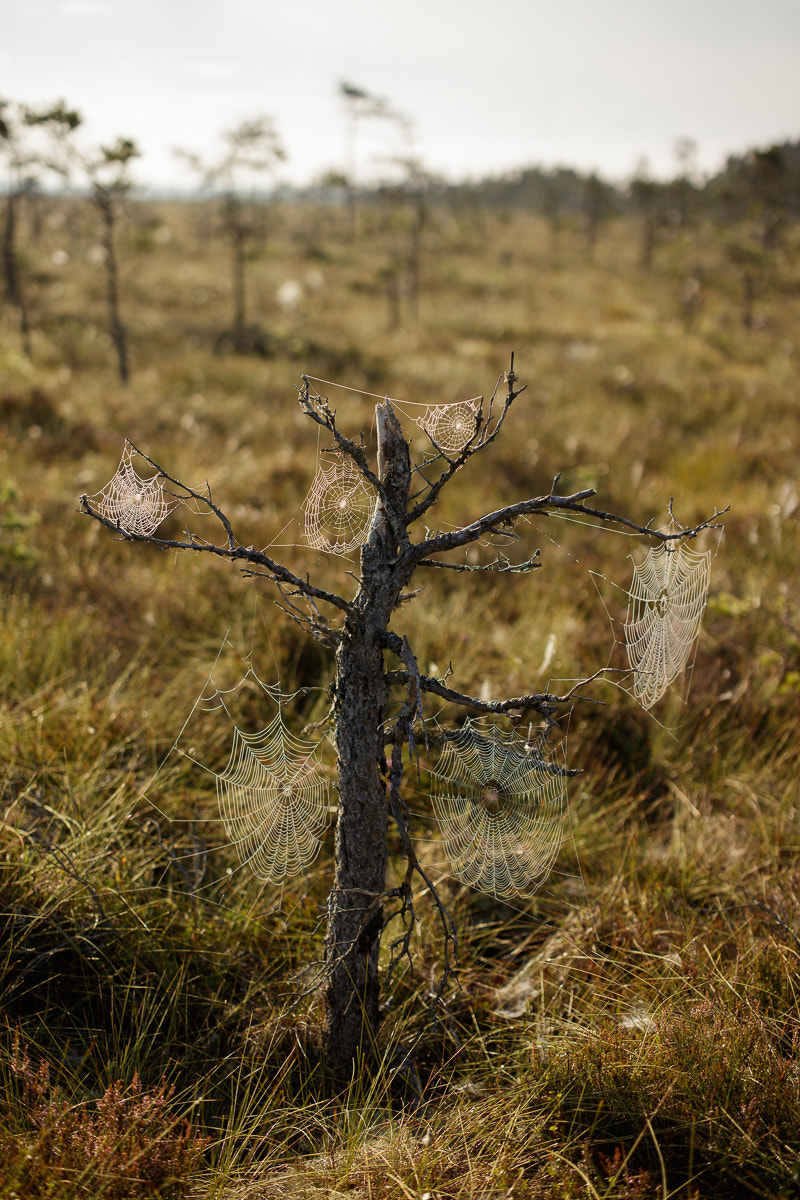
point(393, 282)
point(24, 325)
point(648, 241)
point(14, 291)
point(748, 299)
point(9, 248)
point(238, 242)
point(356, 901)
point(116, 328)
point(414, 255)
point(592, 231)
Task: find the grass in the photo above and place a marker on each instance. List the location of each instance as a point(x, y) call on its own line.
point(631, 1030)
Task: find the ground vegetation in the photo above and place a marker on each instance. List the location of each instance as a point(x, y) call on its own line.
point(632, 1029)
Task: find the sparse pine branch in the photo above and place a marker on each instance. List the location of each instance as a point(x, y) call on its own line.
point(189, 493)
point(313, 622)
point(501, 565)
point(485, 433)
point(546, 704)
point(499, 521)
point(504, 518)
point(318, 409)
point(403, 733)
point(248, 554)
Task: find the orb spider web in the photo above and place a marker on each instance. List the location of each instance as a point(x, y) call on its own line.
point(272, 795)
point(450, 426)
point(499, 803)
point(666, 602)
point(136, 505)
point(338, 509)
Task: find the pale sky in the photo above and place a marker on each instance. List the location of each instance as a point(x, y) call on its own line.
point(489, 85)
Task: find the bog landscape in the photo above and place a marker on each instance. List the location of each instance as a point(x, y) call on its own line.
point(625, 1026)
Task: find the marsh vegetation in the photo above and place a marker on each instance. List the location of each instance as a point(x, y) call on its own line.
point(632, 1029)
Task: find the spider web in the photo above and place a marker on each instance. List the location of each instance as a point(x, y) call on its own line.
point(666, 602)
point(136, 505)
point(273, 797)
point(500, 806)
point(450, 426)
point(338, 509)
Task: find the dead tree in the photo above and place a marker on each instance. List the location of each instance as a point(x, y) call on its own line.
point(647, 197)
point(370, 732)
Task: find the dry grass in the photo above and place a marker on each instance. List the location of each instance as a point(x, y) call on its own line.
point(631, 1031)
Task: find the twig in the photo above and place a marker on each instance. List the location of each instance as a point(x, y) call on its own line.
point(499, 566)
point(485, 434)
point(318, 409)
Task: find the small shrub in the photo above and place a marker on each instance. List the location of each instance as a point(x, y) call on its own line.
point(126, 1144)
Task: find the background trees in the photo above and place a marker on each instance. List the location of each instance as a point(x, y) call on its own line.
point(28, 158)
point(126, 938)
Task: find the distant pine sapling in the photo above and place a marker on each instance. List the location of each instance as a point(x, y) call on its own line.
point(364, 627)
point(110, 185)
point(359, 105)
point(251, 151)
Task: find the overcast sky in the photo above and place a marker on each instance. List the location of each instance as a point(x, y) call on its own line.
point(488, 85)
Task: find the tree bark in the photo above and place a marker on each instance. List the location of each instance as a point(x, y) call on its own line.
point(355, 923)
point(116, 328)
point(9, 247)
point(238, 252)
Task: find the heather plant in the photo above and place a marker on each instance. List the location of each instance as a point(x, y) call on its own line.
point(124, 1144)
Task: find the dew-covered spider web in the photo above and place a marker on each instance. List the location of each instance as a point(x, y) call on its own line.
point(273, 796)
point(136, 505)
point(499, 803)
point(666, 601)
point(338, 508)
point(273, 800)
point(450, 426)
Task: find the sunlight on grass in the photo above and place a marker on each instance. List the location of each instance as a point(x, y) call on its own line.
point(630, 1030)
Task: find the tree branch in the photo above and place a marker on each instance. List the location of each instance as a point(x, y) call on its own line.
point(545, 703)
point(400, 948)
point(484, 435)
point(274, 570)
point(544, 505)
point(203, 497)
point(492, 522)
point(499, 566)
point(315, 624)
point(319, 410)
point(685, 533)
